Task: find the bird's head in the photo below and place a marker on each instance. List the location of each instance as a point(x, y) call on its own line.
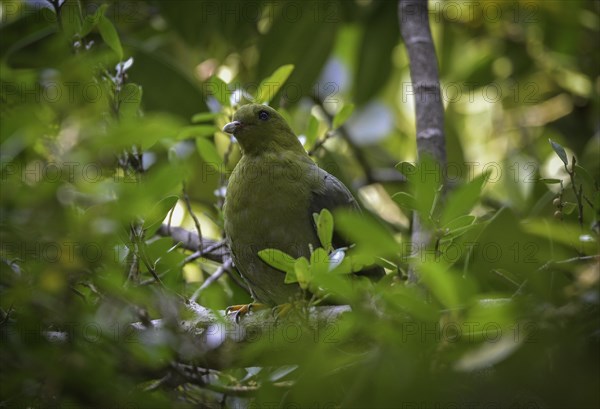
point(259, 128)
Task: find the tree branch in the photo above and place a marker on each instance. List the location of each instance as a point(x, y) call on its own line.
point(217, 337)
point(214, 251)
point(414, 27)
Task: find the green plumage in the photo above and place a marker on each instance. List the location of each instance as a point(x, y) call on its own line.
point(272, 193)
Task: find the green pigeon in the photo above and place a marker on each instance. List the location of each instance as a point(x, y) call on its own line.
point(272, 194)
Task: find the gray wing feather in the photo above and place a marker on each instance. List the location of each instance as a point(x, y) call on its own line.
point(331, 195)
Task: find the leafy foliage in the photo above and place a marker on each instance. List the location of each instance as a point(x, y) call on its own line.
point(110, 139)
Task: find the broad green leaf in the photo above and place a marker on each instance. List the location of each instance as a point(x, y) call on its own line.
point(312, 131)
point(408, 169)
point(374, 62)
point(144, 132)
point(459, 222)
point(208, 152)
point(282, 372)
point(426, 183)
point(369, 235)
point(560, 151)
point(269, 86)
point(130, 100)
point(342, 116)
point(582, 173)
point(568, 207)
point(216, 87)
point(204, 117)
point(502, 243)
point(405, 200)
point(461, 201)
point(110, 36)
point(319, 262)
point(324, 222)
point(278, 259)
point(303, 272)
point(457, 231)
point(70, 12)
point(561, 232)
point(91, 20)
point(448, 286)
point(487, 354)
point(158, 213)
point(308, 56)
point(196, 131)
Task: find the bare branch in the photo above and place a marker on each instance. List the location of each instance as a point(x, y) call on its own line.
point(190, 241)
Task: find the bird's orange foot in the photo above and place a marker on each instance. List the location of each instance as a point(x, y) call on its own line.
point(238, 311)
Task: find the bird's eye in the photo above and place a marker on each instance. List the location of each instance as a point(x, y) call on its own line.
point(263, 115)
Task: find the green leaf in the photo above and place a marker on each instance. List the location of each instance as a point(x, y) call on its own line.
point(408, 169)
point(405, 200)
point(560, 151)
point(374, 63)
point(144, 131)
point(196, 131)
point(270, 85)
point(324, 222)
point(550, 181)
point(461, 200)
point(110, 36)
point(319, 262)
point(585, 175)
point(457, 231)
point(157, 214)
point(130, 100)
point(369, 235)
point(459, 222)
point(208, 152)
point(568, 207)
point(342, 116)
point(70, 12)
point(312, 131)
point(448, 286)
point(278, 259)
point(426, 183)
point(303, 272)
point(308, 56)
point(216, 87)
point(91, 20)
point(204, 117)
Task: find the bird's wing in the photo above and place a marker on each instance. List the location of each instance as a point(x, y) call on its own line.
point(331, 194)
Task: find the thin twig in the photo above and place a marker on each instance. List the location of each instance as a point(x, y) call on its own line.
point(343, 132)
point(321, 142)
point(189, 241)
point(201, 253)
point(214, 277)
point(142, 256)
point(7, 316)
point(186, 198)
point(569, 260)
point(577, 194)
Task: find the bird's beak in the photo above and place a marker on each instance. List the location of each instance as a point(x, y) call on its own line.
point(231, 127)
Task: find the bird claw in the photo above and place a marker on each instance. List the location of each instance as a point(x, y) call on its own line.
point(240, 310)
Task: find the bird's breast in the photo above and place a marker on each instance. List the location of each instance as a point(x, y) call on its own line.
point(267, 206)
